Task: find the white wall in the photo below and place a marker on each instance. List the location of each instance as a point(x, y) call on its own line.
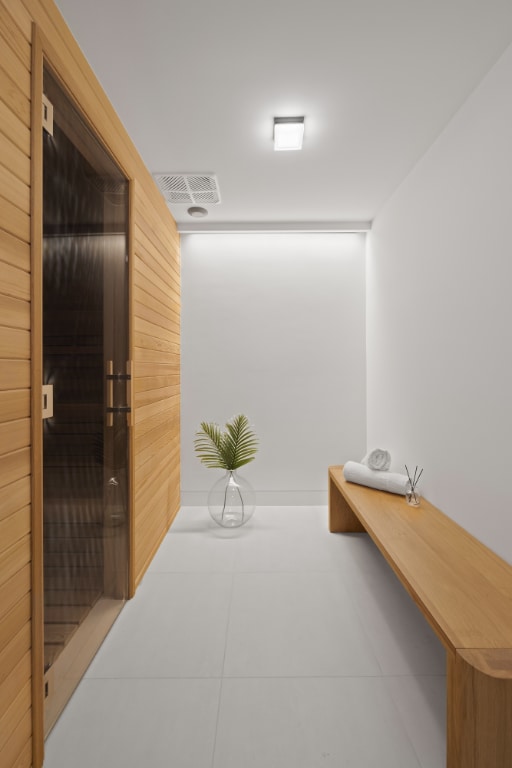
point(273, 326)
point(440, 317)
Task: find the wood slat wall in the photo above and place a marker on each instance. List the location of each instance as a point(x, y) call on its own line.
point(156, 342)
point(15, 435)
point(155, 335)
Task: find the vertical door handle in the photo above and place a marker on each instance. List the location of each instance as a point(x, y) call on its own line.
point(110, 393)
point(129, 393)
point(112, 377)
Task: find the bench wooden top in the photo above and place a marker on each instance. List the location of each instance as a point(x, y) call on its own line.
point(462, 587)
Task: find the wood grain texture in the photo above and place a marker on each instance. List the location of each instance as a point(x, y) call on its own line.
point(12, 38)
point(18, 742)
point(14, 189)
point(342, 518)
point(13, 95)
point(15, 649)
point(465, 592)
point(14, 158)
point(14, 620)
point(14, 558)
point(14, 343)
point(14, 435)
point(15, 314)
point(15, 129)
point(14, 404)
point(18, 709)
point(36, 308)
point(14, 497)
point(20, 15)
point(156, 338)
point(13, 681)
point(14, 528)
point(24, 759)
point(13, 591)
point(15, 465)
point(14, 252)
point(12, 218)
point(479, 709)
point(15, 281)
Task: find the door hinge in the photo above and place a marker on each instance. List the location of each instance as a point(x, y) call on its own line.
point(47, 401)
point(48, 683)
point(47, 115)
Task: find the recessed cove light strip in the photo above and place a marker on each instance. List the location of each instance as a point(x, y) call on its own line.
point(249, 227)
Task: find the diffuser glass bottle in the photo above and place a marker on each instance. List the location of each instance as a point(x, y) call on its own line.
point(412, 495)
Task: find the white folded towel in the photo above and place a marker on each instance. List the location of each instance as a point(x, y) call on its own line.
point(383, 481)
point(378, 459)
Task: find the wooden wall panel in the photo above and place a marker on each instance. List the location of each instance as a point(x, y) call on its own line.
point(14, 188)
point(15, 467)
point(14, 252)
point(13, 94)
point(15, 129)
point(16, 679)
point(15, 281)
point(14, 404)
point(156, 339)
point(10, 719)
point(14, 591)
point(15, 314)
point(14, 159)
point(155, 334)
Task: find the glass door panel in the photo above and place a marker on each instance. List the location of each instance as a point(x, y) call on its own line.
point(85, 354)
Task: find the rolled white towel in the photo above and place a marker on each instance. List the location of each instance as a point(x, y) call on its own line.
point(383, 481)
point(378, 459)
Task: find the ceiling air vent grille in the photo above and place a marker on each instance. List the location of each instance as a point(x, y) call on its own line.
point(188, 188)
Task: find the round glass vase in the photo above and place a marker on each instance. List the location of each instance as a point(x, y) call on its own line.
point(231, 501)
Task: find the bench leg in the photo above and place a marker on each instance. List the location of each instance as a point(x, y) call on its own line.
point(341, 517)
point(479, 709)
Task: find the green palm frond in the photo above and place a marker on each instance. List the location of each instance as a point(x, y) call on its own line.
point(228, 449)
point(240, 440)
point(208, 445)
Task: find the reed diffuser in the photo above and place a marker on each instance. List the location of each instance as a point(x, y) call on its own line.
point(411, 494)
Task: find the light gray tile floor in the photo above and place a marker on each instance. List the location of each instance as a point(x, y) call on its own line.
point(276, 645)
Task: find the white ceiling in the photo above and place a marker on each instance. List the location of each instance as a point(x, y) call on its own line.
point(197, 84)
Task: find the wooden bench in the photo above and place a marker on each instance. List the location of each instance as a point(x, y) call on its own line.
point(465, 592)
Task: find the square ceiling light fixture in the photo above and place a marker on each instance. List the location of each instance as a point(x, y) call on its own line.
point(288, 133)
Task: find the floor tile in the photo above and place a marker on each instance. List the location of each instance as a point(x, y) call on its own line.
point(293, 518)
point(310, 723)
point(175, 626)
point(286, 541)
point(421, 702)
point(136, 724)
point(401, 637)
point(353, 552)
point(297, 624)
point(195, 544)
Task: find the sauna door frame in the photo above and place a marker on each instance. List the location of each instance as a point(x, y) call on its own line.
point(44, 55)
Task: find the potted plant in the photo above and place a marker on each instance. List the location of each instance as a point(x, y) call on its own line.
point(231, 501)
